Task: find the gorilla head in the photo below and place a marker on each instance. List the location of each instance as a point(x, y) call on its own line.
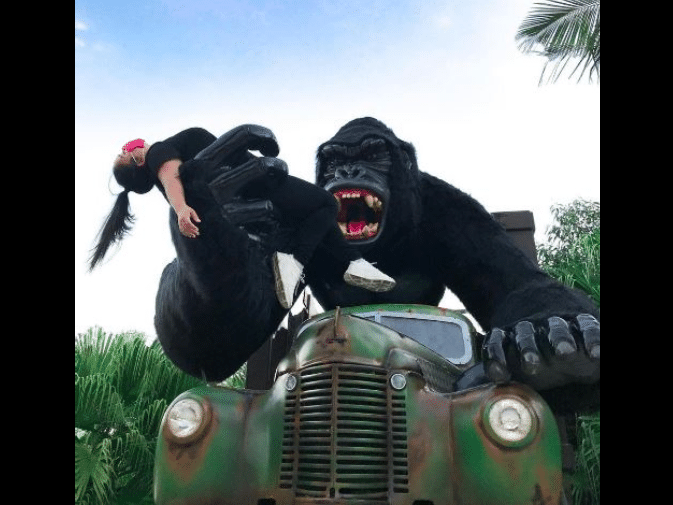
point(374, 177)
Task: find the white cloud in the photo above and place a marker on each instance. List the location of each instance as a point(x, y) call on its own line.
point(79, 42)
point(79, 25)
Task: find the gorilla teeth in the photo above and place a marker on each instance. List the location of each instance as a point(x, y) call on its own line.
point(372, 201)
point(359, 213)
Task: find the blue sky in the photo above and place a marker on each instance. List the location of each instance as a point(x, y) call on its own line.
point(445, 75)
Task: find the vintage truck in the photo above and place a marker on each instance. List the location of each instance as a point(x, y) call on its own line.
point(372, 406)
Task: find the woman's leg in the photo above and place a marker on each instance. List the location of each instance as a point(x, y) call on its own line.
point(311, 212)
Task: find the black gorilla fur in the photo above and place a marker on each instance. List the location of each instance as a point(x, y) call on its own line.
point(216, 302)
point(436, 237)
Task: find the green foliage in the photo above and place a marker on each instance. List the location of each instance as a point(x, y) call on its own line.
point(564, 31)
point(122, 388)
point(587, 482)
point(572, 255)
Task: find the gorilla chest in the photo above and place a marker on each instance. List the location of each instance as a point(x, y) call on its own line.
point(414, 284)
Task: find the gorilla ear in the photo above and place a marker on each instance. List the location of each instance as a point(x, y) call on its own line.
point(408, 155)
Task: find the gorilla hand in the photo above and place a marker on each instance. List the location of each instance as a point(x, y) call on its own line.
point(268, 172)
point(240, 139)
point(544, 356)
point(237, 167)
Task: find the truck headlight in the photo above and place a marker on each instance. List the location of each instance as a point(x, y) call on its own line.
point(186, 420)
point(510, 421)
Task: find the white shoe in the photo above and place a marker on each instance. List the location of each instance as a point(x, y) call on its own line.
point(288, 272)
point(363, 274)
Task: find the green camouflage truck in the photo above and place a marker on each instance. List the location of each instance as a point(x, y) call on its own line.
point(364, 410)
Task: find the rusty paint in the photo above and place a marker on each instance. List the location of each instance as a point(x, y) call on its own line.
point(185, 460)
point(383, 446)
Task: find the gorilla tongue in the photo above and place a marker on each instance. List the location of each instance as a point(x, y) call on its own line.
point(356, 226)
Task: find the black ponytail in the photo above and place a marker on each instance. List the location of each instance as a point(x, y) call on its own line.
point(117, 224)
point(120, 220)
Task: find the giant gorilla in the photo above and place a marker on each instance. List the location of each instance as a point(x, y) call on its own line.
point(429, 236)
point(216, 302)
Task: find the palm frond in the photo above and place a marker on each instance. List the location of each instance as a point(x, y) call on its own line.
point(98, 406)
point(147, 417)
point(564, 31)
point(94, 353)
point(93, 472)
point(136, 361)
point(122, 388)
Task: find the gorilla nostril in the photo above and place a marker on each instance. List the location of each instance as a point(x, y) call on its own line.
point(341, 173)
point(349, 172)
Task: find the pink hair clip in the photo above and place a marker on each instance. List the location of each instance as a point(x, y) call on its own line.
point(133, 144)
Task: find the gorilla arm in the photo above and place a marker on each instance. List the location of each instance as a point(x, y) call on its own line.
point(539, 332)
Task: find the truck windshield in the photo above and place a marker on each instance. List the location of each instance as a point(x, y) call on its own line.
point(447, 336)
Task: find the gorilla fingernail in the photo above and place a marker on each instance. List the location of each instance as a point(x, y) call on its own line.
point(560, 337)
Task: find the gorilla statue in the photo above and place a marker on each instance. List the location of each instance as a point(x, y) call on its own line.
point(430, 236)
point(216, 303)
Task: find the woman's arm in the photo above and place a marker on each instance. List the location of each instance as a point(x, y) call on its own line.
point(170, 178)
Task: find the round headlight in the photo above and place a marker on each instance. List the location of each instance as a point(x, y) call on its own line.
point(511, 421)
point(185, 418)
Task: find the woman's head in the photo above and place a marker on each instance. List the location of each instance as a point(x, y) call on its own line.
point(130, 170)
point(132, 173)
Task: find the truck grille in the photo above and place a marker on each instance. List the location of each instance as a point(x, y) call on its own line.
point(345, 434)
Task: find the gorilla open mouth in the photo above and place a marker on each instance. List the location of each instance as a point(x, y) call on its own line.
point(360, 213)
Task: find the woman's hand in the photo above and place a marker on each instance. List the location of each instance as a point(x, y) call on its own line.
point(186, 219)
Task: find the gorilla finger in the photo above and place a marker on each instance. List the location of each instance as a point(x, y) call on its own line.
point(274, 167)
point(242, 138)
point(560, 337)
point(524, 336)
point(259, 138)
point(493, 355)
point(591, 331)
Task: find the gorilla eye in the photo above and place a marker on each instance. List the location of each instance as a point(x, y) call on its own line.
point(332, 163)
point(374, 151)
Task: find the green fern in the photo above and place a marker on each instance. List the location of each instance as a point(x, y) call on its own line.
point(122, 389)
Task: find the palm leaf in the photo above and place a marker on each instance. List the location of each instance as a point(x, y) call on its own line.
point(135, 363)
point(93, 472)
point(147, 417)
point(95, 353)
point(98, 406)
point(122, 388)
point(562, 31)
point(133, 458)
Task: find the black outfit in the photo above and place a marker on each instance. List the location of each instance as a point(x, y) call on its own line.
point(309, 210)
